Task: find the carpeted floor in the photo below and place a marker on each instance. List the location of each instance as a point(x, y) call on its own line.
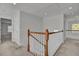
point(9, 48)
point(69, 48)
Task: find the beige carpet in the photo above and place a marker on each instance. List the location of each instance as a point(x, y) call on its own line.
point(69, 48)
point(9, 48)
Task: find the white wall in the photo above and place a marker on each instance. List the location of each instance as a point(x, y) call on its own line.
point(69, 22)
point(16, 27)
point(34, 23)
point(54, 23)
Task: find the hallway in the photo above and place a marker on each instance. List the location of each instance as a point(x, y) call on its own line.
point(69, 48)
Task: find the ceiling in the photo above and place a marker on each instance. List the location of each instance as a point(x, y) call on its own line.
point(46, 9)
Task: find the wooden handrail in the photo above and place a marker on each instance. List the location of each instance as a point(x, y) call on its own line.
point(28, 41)
point(62, 31)
point(37, 40)
point(46, 42)
point(56, 32)
point(37, 32)
point(72, 30)
point(46, 33)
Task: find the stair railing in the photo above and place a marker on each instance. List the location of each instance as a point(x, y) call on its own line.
point(46, 33)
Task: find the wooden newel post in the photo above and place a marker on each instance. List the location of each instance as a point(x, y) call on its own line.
point(46, 42)
point(28, 40)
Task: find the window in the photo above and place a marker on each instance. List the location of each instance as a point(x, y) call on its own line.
point(75, 26)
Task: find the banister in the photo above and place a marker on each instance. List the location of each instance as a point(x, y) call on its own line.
point(37, 39)
point(55, 32)
point(37, 32)
point(46, 42)
point(71, 30)
point(28, 40)
point(46, 33)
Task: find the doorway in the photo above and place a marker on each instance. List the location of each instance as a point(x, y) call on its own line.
point(6, 35)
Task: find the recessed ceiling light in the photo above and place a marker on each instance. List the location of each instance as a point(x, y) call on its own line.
point(70, 8)
point(14, 3)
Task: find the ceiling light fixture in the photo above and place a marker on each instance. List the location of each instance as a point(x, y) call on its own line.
point(14, 3)
point(70, 8)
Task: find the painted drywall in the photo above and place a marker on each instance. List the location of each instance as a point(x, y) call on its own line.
point(16, 27)
point(68, 25)
point(54, 23)
point(34, 23)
